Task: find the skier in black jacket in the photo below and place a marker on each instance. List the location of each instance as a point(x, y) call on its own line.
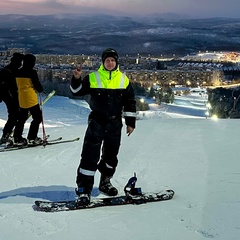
point(9, 94)
point(112, 97)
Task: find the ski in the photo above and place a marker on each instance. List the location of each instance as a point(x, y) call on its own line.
point(54, 140)
point(10, 143)
point(49, 142)
point(63, 141)
point(102, 202)
point(132, 196)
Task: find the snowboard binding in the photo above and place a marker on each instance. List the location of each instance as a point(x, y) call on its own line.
point(130, 189)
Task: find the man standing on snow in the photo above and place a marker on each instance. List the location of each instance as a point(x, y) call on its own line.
point(112, 96)
point(9, 94)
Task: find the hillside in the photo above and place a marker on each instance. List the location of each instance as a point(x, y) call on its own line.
point(90, 34)
point(197, 157)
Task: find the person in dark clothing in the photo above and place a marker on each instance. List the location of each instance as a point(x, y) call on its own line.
point(112, 96)
point(28, 85)
point(9, 94)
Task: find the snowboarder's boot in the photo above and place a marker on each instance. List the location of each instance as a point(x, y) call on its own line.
point(106, 187)
point(83, 197)
point(85, 185)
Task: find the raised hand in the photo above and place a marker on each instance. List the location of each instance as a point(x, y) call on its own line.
point(78, 71)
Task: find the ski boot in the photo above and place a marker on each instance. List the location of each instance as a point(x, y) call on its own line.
point(36, 141)
point(20, 141)
point(6, 139)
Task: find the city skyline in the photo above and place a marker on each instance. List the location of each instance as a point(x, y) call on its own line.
point(188, 8)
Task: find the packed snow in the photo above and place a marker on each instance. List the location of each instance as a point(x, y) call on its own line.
point(174, 146)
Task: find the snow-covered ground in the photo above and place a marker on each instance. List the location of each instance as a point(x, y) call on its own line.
point(174, 146)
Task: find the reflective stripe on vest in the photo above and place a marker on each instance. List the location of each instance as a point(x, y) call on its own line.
point(100, 84)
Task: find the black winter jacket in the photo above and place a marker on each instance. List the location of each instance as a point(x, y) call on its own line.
point(107, 102)
point(8, 81)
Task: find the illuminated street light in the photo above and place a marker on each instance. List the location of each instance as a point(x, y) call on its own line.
point(214, 117)
point(208, 105)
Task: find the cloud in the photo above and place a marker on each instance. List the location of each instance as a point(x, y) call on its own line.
point(147, 44)
point(36, 7)
point(207, 8)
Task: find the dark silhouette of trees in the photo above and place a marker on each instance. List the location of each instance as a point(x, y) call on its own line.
point(224, 102)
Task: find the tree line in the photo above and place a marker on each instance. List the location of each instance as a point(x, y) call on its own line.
point(224, 103)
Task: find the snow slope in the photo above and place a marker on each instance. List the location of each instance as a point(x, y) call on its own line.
point(195, 156)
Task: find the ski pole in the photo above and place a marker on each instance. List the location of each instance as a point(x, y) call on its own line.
point(43, 128)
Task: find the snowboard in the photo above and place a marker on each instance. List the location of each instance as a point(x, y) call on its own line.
point(127, 199)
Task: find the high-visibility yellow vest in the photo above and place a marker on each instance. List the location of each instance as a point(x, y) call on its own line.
point(108, 80)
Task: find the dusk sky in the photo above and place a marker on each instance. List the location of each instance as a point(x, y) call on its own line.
point(192, 8)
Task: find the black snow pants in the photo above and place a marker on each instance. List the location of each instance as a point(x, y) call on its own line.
point(36, 113)
point(13, 112)
point(101, 146)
